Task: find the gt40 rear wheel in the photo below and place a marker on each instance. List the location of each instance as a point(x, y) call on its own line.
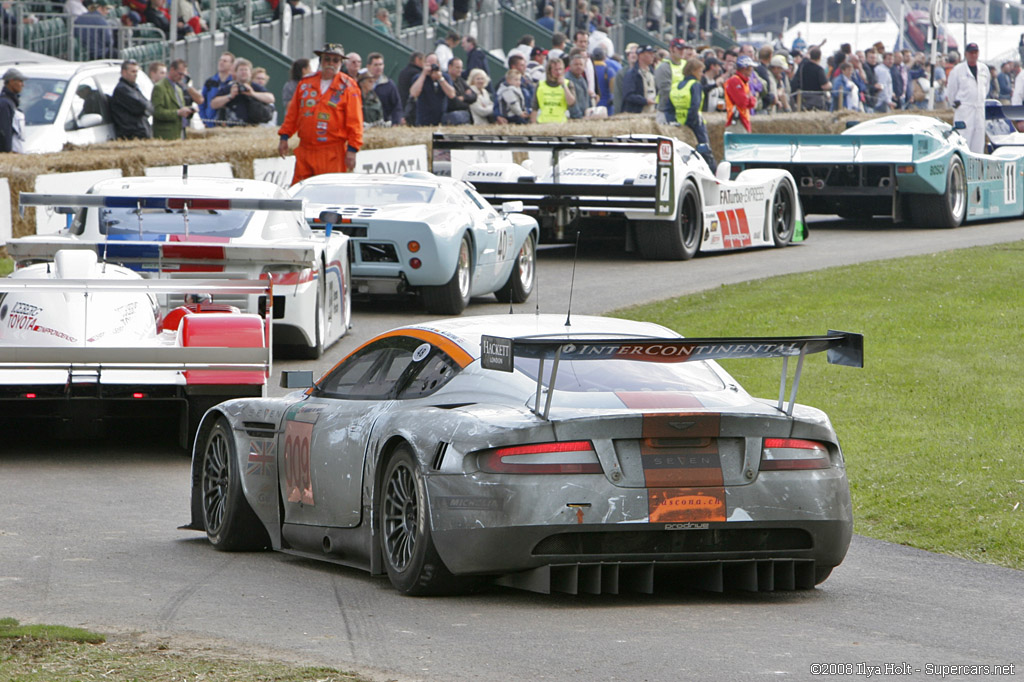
point(524, 271)
point(673, 240)
point(412, 562)
point(453, 297)
point(231, 524)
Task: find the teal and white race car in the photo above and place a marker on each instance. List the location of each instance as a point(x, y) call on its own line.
point(913, 168)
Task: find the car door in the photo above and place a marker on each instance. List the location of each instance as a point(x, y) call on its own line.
point(325, 439)
point(87, 118)
point(493, 236)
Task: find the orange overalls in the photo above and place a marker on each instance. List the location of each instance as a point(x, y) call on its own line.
point(738, 101)
point(328, 125)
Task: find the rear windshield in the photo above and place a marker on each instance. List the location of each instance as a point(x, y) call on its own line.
point(625, 375)
point(366, 195)
point(41, 98)
point(158, 221)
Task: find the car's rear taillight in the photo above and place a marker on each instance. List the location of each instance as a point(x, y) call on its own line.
point(789, 454)
point(567, 457)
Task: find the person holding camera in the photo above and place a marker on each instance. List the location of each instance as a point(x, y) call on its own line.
point(171, 108)
point(432, 90)
point(242, 102)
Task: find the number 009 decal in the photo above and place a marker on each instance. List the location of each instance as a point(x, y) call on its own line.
point(298, 482)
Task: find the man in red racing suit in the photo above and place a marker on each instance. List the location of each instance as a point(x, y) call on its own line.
point(327, 113)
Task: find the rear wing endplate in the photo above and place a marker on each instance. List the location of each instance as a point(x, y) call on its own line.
point(658, 197)
point(242, 359)
point(499, 353)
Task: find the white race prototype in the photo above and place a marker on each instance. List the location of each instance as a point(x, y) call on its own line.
point(176, 228)
point(84, 342)
point(658, 191)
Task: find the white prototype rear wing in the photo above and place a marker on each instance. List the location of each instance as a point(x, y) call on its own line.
point(241, 359)
point(499, 353)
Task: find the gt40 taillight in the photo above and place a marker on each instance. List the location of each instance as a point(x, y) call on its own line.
point(790, 454)
point(565, 457)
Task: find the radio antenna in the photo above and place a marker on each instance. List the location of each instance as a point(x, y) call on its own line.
point(572, 280)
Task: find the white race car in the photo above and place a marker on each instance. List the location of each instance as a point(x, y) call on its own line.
point(658, 191)
point(176, 228)
point(421, 233)
point(84, 342)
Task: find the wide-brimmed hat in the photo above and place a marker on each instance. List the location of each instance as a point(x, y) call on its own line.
point(330, 48)
point(13, 75)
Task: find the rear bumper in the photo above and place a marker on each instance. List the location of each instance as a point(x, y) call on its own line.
point(503, 527)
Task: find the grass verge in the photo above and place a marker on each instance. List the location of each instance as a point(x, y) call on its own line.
point(54, 653)
point(929, 427)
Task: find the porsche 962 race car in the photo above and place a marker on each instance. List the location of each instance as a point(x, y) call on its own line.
point(655, 192)
point(420, 233)
point(910, 168)
point(176, 228)
point(83, 343)
point(596, 457)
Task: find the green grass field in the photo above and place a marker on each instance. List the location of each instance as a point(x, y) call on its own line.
point(929, 427)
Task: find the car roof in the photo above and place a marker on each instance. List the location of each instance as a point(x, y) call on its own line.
point(902, 124)
point(412, 178)
point(466, 331)
point(194, 186)
point(63, 69)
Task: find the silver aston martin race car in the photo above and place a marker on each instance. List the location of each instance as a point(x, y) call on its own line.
point(603, 456)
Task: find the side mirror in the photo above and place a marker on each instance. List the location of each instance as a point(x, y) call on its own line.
point(296, 378)
point(959, 125)
point(90, 120)
point(511, 207)
point(329, 219)
point(724, 171)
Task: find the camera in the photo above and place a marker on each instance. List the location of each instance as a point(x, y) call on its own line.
point(242, 87)
point(435, 67)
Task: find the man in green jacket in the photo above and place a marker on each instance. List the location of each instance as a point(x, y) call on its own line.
point(172, 100)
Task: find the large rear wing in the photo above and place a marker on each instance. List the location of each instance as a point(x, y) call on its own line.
point(776, 149)
point(216, 358)
point(156, 255)
point(499, 353)
point(657, 197)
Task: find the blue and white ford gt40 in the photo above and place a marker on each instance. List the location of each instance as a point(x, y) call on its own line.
point(597, 457)
point(422, 233)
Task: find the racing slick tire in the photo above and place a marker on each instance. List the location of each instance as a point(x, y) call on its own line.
point(319, 327)
point(675, 240)
point(231, 524)
point(524, 272)
point(410, 557)
point(945, 210)
point(453, 297)
point(783, 215)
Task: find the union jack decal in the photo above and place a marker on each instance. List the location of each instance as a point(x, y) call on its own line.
point(261, 454)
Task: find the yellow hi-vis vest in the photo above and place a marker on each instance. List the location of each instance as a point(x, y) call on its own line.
point(677, 76)
point(681, 96)
point(551, 106)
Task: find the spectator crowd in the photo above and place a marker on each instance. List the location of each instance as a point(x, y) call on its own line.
point(585, 77)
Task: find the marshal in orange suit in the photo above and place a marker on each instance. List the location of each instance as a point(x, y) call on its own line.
point(329, 121)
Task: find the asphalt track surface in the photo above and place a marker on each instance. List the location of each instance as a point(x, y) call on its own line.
point(88, 536)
